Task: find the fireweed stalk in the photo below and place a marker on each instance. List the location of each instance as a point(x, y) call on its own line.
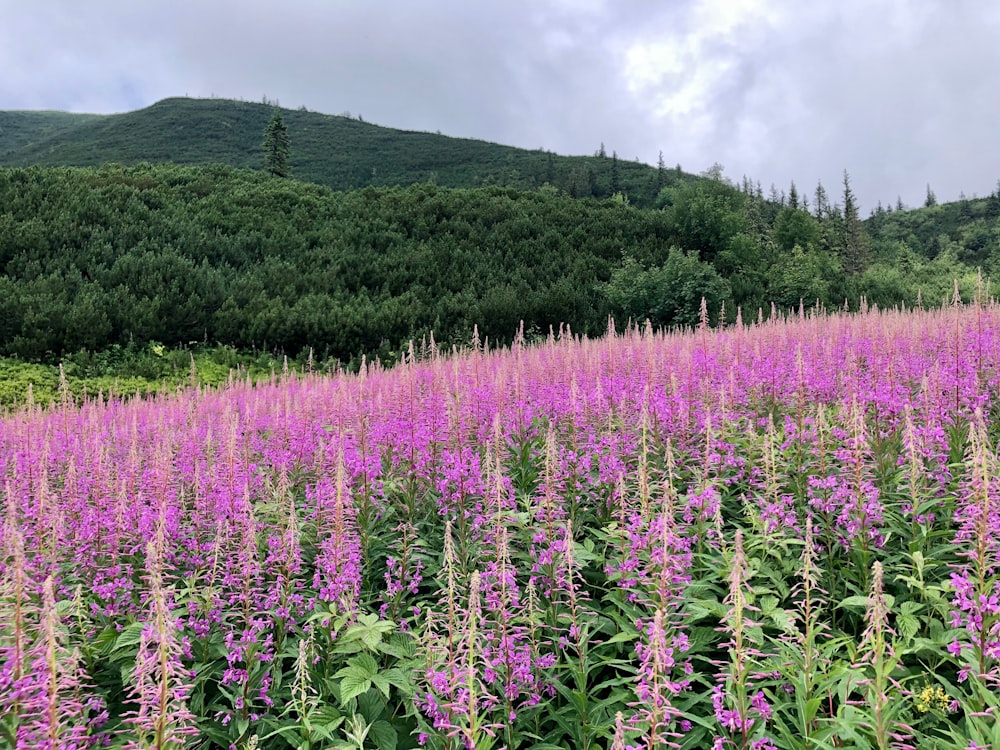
point(57, 708)
point(656, 688)
point(249, 639)
point(577, 635)
point(878, 656)
point(337, 576)
point(437, 687)
point(654, 568)
point(799, 648)
point(976, 584)
point(506, 648)
point(472, 701)
point(161, 719)
point(741, 712)
point(14, 624)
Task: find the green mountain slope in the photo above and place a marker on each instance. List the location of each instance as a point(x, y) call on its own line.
point(339, 152)
point(967, 230)
point(19, 129)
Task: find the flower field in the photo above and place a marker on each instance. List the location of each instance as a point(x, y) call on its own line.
point(779, 535)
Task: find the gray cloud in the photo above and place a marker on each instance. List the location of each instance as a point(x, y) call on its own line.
point(898, 92)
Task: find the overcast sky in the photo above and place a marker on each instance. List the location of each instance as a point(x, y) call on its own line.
point(901, 93)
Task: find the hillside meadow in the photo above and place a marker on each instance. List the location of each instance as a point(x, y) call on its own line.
point(772, 535)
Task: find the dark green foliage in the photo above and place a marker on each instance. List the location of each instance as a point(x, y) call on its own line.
point(804, 276)
point(91, 258)
point(276, 147)
point(795, 227)
point(853, 240)
point(669, 294)
point(706, 216)
point(968, 229)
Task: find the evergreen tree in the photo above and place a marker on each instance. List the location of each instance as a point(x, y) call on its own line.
point(276, 147)
point(616, 184)
point(854, 243)
point(793, 196)
point(821, 204)
point(661, 173)
point(931, 199)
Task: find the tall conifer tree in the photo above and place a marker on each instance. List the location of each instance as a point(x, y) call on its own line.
point(276, 147)
point(855, 243)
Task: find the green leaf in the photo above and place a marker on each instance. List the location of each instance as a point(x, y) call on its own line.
point(767, 605)
point(130, 636)
point(384, 734)
point(860, 602)
point(783, 619)
point(286, 727)
point(353, 684)
point(810, 708)
point(700, 636)
point(382, 684)
point(399, 679)
point(621, 638)
point(402, 647)
point(908, 625)
point(106, 641)
point(371, 705)
point(365, 662)
point(369, 630)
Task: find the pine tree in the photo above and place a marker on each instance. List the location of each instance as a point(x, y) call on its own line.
point(276, 147)
point(855, 243)
point(793, 196)
point(821, 205)
point(931, 199)
point(616, 185)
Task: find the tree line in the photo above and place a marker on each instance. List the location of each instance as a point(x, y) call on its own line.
point(96, 257)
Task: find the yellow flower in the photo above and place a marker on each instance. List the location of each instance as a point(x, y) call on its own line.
point(932, 698)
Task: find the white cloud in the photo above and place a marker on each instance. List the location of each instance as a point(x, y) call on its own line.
point(900, 92)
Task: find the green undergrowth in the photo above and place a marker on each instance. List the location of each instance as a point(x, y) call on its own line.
point(131, 370)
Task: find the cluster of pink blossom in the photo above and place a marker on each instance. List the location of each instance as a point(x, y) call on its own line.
point(227, 519)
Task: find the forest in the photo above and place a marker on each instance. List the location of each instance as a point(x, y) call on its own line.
point(126, 255)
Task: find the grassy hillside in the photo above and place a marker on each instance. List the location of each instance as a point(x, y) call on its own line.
point(20, 129)
point(339, 152)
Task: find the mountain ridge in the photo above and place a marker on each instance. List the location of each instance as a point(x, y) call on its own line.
point(334, 150)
